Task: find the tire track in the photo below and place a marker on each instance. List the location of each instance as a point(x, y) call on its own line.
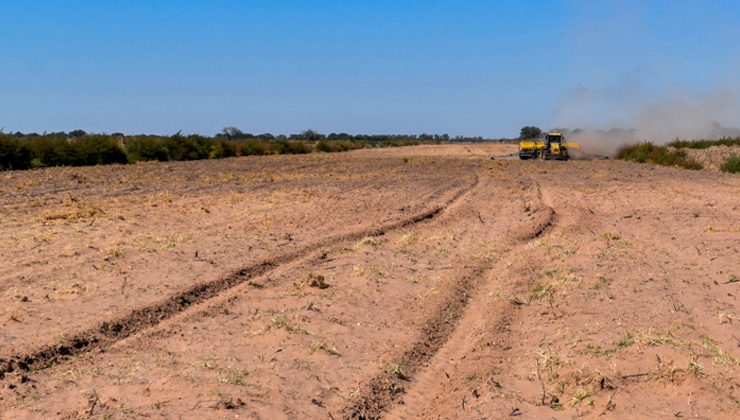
point(381, 392)
point(551, 218)
point(109, 332)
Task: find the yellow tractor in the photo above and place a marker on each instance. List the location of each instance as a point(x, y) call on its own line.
point(554, 147)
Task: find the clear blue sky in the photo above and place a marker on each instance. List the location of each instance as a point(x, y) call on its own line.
point(458, 67)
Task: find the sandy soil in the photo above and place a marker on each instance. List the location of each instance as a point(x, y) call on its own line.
point(420, 282)
point(713, 157)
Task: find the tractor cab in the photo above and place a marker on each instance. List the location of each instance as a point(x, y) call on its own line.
point(555, 147)
point(553, 137)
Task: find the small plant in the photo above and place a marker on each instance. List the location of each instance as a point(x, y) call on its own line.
point(654, 338)
point(664, 371)
point(367, 240)
point(731, 165)
point(694, 367)
point(322, 345)
point(396, 371)
point(626, 341)
point(281, 322)
point(579, 396)
point(408, 239)
point(539, 291)
point(602, 282)
point(719, 354)
point(236, 377)
point(593, 349)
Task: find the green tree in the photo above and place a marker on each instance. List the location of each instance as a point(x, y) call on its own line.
point(310, 135)
point(232, 133)
point(529, 132)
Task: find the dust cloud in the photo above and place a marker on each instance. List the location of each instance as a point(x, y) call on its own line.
point(607, 123)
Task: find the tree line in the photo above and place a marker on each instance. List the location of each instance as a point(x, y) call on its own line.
point(233, 133)
point(79, 148)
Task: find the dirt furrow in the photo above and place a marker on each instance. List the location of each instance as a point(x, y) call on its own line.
point(386, 387)
point(425, 386)
point(108, 332)
point(384, 390)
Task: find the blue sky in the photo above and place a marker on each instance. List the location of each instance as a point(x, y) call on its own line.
point(458, 67)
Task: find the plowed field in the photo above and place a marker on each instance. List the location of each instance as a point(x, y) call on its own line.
point(419, 282)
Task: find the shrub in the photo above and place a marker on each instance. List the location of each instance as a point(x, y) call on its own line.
point(144, 149)
point(285, 147)
point(661, 155)
point(14, 154)
point(32, 150)
point(402, 143)
point(51, 150)
point(221, 149)
point(192, 147)
point(253, 148)
point(703, 144)
point(330, 146)
point(202, 146)
point(324, 146)
point(97, 150)
point(634, 152)
point(731, 165)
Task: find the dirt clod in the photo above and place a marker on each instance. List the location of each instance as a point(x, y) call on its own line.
point(317, 280)
point(229, 404)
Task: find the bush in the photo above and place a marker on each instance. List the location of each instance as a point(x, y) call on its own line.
point(145, 149)
point(731, 165)
point(703, 144)
point(97, 150)
point(51, 150)
point(254, 148)
point(191, 147)
point(661, 155)
point(21, 151)
point(222, 149)
point(285, 147)
point(14, 154)
point(330, 146)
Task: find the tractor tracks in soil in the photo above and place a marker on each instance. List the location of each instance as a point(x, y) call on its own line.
point(109, 332)
point(445, 336)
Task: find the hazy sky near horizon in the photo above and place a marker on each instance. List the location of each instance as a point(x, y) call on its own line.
point(386, 66)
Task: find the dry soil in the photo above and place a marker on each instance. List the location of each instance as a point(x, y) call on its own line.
point(419, 282)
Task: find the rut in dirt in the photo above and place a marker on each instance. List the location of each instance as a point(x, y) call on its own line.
point(384, 389)
point(109, 332)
